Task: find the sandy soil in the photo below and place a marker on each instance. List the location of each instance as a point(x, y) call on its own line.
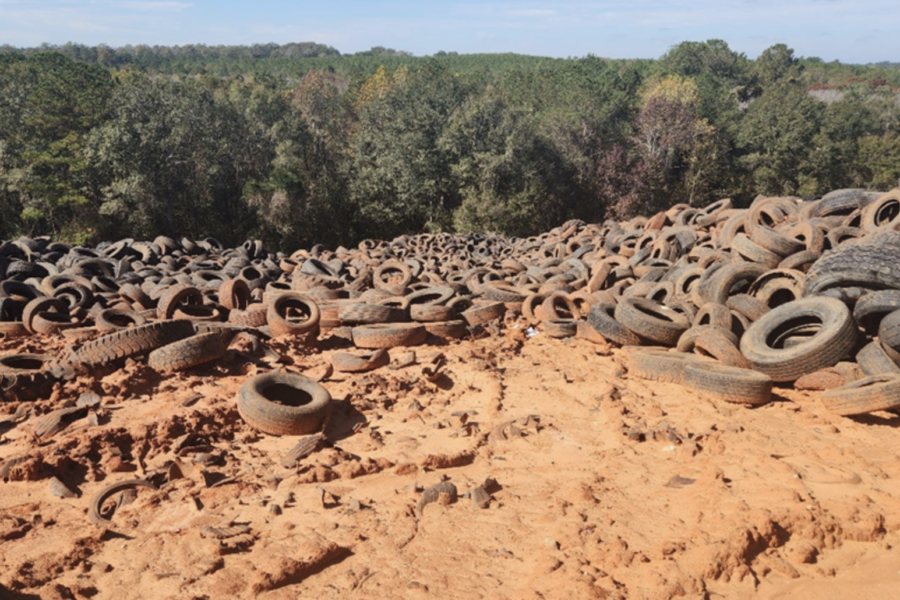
point(614, 488)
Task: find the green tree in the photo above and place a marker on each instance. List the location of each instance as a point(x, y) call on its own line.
point(776, 137)
point(48, 104)
point(400, 181)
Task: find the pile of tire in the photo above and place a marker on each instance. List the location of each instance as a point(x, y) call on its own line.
point(783, 291)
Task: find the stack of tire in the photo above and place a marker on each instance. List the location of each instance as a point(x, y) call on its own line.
point(783, 291)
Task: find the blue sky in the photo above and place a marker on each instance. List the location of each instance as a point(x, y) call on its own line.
point(854, 31)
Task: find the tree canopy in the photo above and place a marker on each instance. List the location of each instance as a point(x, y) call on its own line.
point(297, 143)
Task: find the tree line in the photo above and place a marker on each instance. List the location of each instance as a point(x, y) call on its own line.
point(297, 144)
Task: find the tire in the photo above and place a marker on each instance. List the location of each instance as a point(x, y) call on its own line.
point(720, 285)
point(601, 320)
point(881, 392)
point(748, 306)
point(482, 314)
point(131, 342)
point(873, 263)
point(114, 319)
point(712, 313)
point(754, 253)
point(189, 352)
point(433, 295)
point(49, 323)
point(500, 291)
point(382, 280)
point(658, 364)
point(801, 261)
point(731, 384)
point(136, 295)
point(174, 296)
point(687, 340)
point(283, 323)
point(447, 330)
point(360, 313)
point(234, 294)
point(556, 305)
point(39, 305)
point(561, 328)
point(651, 321)
point(717, 344)
point(873, 307)
point(873, 360)
point(346, 362)
point(283, 404)
point(251, 317)
point(431, 313)
point(835, 339)
point(389, 335)
point(889, 330)
point(21, 364)
point(778, 243)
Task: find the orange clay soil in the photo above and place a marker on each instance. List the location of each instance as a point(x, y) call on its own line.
point(620, 488)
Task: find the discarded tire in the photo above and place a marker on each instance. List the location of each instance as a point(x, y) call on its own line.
point(283, 404)
point(826, 322)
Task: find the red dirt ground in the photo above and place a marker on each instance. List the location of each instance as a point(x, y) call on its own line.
point(621, 488)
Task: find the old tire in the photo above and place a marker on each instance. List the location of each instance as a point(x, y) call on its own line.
point(601, 320)
point(881, 392)
point(189, 352)
point(283, 404)
point(658, 364)
point(763, 343)
point(651, 321)
point(731, 384)
point(389, 335)
point(133, 342)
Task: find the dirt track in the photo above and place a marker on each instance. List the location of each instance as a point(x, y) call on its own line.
point(622, 489)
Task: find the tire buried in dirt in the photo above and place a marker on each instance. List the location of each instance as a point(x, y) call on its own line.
point(283, 404)
point(880, 392)
point(731, 384)
point(189, 352)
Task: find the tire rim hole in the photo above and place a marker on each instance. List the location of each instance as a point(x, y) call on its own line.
point(24, 363)
point(287, 395)
point(888, 212)
point(801, 327)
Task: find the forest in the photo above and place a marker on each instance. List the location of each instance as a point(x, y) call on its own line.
point(298, 144)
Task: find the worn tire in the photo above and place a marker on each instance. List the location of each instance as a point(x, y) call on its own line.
point(189, 352)
point(346, 362)
point(889, 330)
point(560, 328)
point(872, 263)
point(389, 335)
point(873, 360)
point(881, 392)
point(234, 294)
point(601, 320)
point(254, 316)
point(133, 341)
point(22, 364)
point(283, 404)
point(482, 314)
point(658, 364)
point(114, 319)
point(834, 340)
point(282, 323)
point(174, 296)
point(448, 330)
point(873, 307)
point(731, 384)
point(651, 321)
